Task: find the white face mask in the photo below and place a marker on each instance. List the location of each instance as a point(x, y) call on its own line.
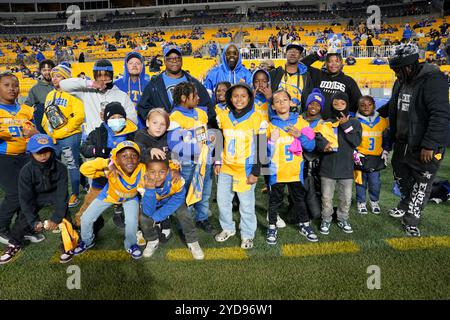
point(116, 125)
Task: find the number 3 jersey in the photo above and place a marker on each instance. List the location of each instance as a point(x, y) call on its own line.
point(372, 134)
point(12, 120)
point(286, 166)
point(239, 149)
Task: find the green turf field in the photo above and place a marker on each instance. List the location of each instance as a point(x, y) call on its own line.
point(336, 268)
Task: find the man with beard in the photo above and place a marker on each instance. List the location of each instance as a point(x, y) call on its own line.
point(158, 92)
point(38, 93)
point(419, 128)
point(294, 77)
point(231, 70)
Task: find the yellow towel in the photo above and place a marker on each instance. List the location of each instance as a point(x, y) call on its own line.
point(357, 175)
point(69, 236)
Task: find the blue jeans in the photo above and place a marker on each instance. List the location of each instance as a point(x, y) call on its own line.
point(225, 196)
point(95, 210)
point(371, 181)
point(201, 207)
point(69, 149)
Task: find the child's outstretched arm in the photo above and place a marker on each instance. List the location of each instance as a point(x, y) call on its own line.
point(94, 169)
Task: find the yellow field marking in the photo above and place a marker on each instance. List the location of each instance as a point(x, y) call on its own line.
point(319, 249)
point(418, 243)
point(233, 253)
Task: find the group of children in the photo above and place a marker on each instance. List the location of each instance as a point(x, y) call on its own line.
point(168, 167)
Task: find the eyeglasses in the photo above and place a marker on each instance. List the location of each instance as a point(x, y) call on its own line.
point(173, 60)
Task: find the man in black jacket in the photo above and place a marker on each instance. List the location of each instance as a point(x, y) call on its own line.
point(419, 127)
point(42, 182)
point(158, 93)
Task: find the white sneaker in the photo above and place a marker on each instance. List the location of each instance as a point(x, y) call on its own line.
point(150, 249)
point(246, 243)
point(196, 251)
point(140, 238)
point(362, 209)
point(280, 222)
point(224, 235)
point(375, 207)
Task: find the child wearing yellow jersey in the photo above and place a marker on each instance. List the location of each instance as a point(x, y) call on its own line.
point(162, 196)
point(219, 93)
point(62, 120)
point(371, 154)
point(263, 92)
point(186, 137)
point(125, 175)
point(288, 135)
point(240, 164)
point(15, 129)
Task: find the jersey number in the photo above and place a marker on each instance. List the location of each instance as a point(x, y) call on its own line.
point(371, 144)
point(289, 155)
point(231, 147)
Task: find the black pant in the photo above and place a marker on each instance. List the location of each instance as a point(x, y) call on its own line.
point(296, 192)
point(9, 182)
point(22, 227)
point(415, 180)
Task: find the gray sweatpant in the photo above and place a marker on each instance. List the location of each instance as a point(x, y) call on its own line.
point(344, 189)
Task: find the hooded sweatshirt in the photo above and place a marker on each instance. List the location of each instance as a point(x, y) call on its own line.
point(120, 188)
point(94, 100)
point(133, 89)
point(223, 73)
point(241, 131)
point(330, 83)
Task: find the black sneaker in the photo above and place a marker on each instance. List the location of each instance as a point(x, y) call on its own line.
point(411, 231)
point(165, 236)
point(205, 225)
point(66, 257)
point(9, 253)
point(119, 216)
point(4, 236)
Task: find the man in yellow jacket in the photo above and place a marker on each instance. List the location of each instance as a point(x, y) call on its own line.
point(62, 120)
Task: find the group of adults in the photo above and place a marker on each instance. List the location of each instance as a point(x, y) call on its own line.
point(418, 109)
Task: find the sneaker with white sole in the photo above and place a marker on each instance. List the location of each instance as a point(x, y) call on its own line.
point(196, 250)
point(246, 243)
point(397, 213)
point(375, 207)
point(280, 222)
point(34, 237)
point(345, 226)
point(362, 209)
point(271, 235)
point(9, 254)
point(325, 227)
point(411, 231)
point(224, 235)
point(306, 230)
point(66, 257)
point(150, 249)
point(135, 252)
point(82, 248)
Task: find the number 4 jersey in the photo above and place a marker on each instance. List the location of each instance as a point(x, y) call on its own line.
point(13, 118)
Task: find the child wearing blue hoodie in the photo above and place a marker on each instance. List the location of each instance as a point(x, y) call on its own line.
point(134, 80)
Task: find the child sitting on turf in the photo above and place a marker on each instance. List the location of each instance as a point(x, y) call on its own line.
point(186, 137)
point(221, 89)
point(372, 158)
point(99, 143)
point(240, 163)
point(163, 195)
point(288, 135)
point(124, 174)
point(336, 168)
point(42, 182)
point(152, 141)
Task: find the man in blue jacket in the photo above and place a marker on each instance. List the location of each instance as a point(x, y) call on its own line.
point(158, 92)
point(231, 70)
point(134, 80)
